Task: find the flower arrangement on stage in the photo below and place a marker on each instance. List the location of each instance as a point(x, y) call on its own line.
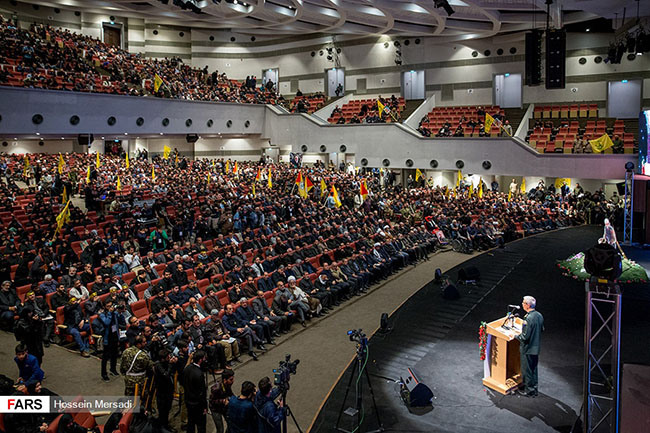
point(482, 339)
point(574, 267)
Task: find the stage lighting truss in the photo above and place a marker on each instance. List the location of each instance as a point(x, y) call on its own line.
point(602, 355)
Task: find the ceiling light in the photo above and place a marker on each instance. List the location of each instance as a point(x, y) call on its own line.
point(62, 138)
point(587, 29)
point(161, 133)
point(102, 138)
point(38, 133)
point(126, 133)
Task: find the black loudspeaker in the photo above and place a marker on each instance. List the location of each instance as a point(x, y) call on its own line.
point(418, 393)
point(191, 138)
point(555, 59)
point(85, 139)
point(470, 273)
point(620, 188)
point(534, 58)
point(449, 290)
point(603, 261)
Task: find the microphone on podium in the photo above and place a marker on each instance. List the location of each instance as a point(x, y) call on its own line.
point(514, 307)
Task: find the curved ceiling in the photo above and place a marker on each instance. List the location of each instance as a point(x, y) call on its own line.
point(471, 18)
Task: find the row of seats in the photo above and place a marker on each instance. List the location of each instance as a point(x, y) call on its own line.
point(573, 111)
point(546, 141)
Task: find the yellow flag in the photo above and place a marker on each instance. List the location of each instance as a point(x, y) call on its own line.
point(25, 166)
point(119, 184)
point(153, 173)
point(335, 194)
point(61, 164)
point(62, 218)
point(509, 195)
point(480, 188)
point(523, 185)
point(157, 82)
point(227, 166)
point(176, 160)
point(471, 190)
point(323, 188)
point(380, 107)
point(418, 174)
point(166, 151)
point(270, 182)
point(254, 189)
point(208, 178)
point(489, 120)
point(64, 196)
point(97, 162)
point(458, 178)
point(88, 175)
point(561, 181)
point(602, 143)
point(127, 162)
point(301, 189)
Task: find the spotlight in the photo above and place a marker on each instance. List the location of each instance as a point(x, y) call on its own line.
point(445, 5)
point(629, 166)
point(383, 324)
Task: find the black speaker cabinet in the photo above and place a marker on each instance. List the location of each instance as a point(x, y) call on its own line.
point(555, 59)
point(418, 393)
point(469, 273)
point(533, 73)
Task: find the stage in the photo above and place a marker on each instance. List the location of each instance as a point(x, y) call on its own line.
point(439, 339)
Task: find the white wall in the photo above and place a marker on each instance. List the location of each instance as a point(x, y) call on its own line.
point(32, 146)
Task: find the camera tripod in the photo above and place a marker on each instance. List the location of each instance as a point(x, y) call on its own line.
point(289, 412)
point(359, 370)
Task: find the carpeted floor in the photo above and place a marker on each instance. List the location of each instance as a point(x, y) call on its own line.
point(446, 356)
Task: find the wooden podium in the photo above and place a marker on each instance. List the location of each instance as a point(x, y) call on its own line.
point(502, 369)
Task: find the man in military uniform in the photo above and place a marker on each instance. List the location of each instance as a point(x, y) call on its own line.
point(529, 342)
point(135, 366)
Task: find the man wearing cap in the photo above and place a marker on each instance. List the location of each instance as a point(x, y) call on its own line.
point(217, 334)
point(135, 365)
point(76, 324)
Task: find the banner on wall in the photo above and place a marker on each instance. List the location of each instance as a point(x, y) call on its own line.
point(295, 159)
point(561, 180)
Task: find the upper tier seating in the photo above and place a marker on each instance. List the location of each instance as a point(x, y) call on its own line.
point(348, 111)
point(307, 103)
point(444, 121)
point(47, 58)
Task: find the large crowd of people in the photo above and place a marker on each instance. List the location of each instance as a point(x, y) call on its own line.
point(48, 58)
point(175, 262)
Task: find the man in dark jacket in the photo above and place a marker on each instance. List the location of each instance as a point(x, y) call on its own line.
point(9, 305)
point(164, 380)
point(76, 324)
point(196, 399)
point(250, 318)
point(238, 329)
point(264, 313)
point(113, 320)
point(529, 343)
point(241, 410)
point(220, 394)
point(270, 414)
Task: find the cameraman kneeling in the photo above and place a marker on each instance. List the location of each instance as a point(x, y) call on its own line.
point(270, 414)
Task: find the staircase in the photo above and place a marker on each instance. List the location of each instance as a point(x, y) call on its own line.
point(514, 116)
point(411, 106)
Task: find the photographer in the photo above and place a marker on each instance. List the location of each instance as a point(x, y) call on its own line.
point(241, 410)
point(164, 380)
point(113, 319)
point(270, 414)
point(220, 394)
point(29, 331)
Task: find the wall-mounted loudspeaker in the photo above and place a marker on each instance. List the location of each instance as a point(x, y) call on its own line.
point(555, 58)
point(533, 74)
point(192, 138)
point(85, 139)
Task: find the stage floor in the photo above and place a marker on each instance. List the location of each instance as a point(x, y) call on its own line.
point(439, 339)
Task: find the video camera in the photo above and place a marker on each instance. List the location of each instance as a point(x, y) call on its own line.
point(282, 374)
point(358, 336)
